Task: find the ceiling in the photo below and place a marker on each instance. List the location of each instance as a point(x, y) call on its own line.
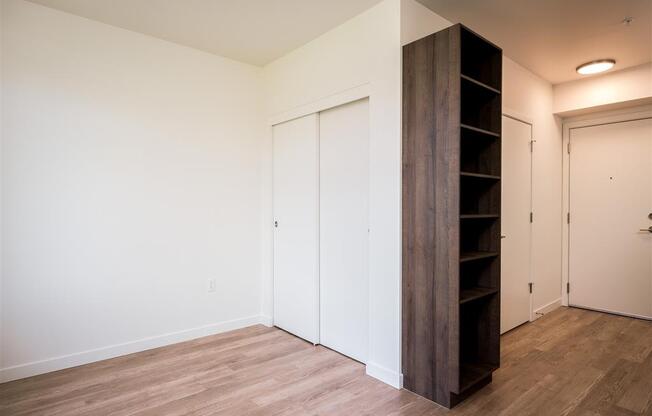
point(553, 37)
point(549, 37)
point(252, 31)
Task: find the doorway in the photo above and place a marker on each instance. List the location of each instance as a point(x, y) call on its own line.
point(516, 227)
point(610, 216)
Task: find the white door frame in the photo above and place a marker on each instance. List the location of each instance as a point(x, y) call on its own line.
point(594, 119)
point(514, 115)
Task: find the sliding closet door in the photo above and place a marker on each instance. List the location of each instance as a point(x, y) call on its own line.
point(296, 227)
point(344, 228)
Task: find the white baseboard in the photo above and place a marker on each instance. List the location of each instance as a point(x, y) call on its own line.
point(267, 320)
point(547, 308)
point(72, 360)
point(385, 375)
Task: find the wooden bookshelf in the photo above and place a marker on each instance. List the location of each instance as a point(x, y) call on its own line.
point(452, 83)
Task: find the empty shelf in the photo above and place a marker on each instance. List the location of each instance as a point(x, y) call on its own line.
point(480, 84)
point(474, 293)
point(476, 255)
point(479, 130)
point(479, 216)
point(479, 175)
point(471, 374)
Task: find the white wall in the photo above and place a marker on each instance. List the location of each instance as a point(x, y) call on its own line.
point(418, 21)
point(362, 53)
point(628, 87)
point(130, 176)
point(530, 97)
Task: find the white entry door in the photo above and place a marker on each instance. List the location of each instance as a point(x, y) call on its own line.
point(344, 228)
point(296, 231)
point(516, 228)
point(610, 242)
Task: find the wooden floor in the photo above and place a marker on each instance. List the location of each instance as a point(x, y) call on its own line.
point(570, 362)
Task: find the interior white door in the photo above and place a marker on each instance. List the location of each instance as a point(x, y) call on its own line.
point(516, 228)
point(296, 227)
point(610, 258)
point(344, 224)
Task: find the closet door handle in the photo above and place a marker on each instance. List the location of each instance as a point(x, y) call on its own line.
point(649, 230)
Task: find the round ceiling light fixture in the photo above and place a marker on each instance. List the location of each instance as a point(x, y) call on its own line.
point(595, 67)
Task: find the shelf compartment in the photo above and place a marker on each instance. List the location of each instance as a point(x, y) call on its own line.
point(479, 194)
point(476, 293)
point(479, 152)
point(481, 60)
point(480, 107)
point(472, 374)
point(477, 255)
point(484, 272)
point(479, 340)
point(480, 236)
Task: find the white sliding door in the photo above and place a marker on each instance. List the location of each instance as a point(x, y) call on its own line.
point(296, 230)
point(344, 224)
point(610, 231)
point(516, 228)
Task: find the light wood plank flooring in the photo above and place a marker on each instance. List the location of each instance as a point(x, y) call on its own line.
point(569, 362)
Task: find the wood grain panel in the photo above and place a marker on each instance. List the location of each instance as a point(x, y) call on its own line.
point(418, 222)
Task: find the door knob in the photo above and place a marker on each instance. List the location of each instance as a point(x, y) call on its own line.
point(647, 229)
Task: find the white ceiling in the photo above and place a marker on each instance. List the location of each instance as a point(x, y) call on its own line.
point(252, 31)
point(553, 37)
point(549, 37)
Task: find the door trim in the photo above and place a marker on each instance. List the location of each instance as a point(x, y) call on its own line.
point(514, 115)
point(337, 99)
point(568, 124)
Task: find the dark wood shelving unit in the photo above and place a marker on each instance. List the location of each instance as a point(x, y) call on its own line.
point(452, 82)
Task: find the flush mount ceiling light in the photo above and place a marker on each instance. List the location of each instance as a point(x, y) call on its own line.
point(595, 67)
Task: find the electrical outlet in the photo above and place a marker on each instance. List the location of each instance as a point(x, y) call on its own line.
point(211, 285)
